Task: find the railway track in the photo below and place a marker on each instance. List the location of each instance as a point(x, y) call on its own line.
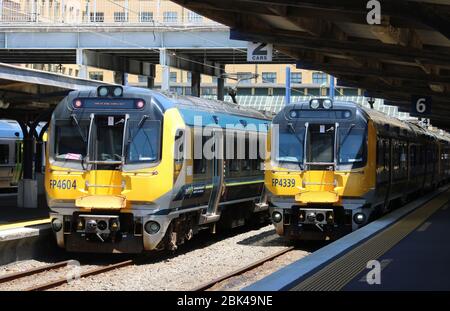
point(242, 270)
point(62, 280)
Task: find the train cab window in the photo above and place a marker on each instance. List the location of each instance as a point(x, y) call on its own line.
point(352, 146)
point(107, 138)
point(320, 144)
point(4, 154)
point(71, 140)
point(143, 144)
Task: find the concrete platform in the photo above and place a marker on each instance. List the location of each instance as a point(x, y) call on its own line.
point(24, 232)
point(10, 213)
point(410, 244)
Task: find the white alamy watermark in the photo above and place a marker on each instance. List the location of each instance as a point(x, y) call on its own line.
point(374, 275)
point(240, 141)
point(374, 15)
point(74, 271)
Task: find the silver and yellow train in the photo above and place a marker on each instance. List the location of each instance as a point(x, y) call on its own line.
point(122, 176)
point(10, 155)
point(335, 166)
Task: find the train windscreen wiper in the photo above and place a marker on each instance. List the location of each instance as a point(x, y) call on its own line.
point(80, 131)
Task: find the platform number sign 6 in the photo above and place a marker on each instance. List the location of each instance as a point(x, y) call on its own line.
point(420, 105)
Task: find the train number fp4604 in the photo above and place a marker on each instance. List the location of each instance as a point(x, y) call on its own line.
point(63, 184)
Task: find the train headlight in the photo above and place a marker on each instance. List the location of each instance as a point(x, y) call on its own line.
point(359, 218)
point(140, 104)
point(314, 104)
point(327, 103)
point(277, 217)
point(102, 91)
point(78, 103)
point(152, 227)
point(56, 225)
point(118, 91)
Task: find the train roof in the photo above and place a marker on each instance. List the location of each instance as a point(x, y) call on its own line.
point(385, 124)
point(10, 129)
point(171, 100)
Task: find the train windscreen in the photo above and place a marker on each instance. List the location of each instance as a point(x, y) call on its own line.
point(290, 146)
point(143, 142)
point(71, 140)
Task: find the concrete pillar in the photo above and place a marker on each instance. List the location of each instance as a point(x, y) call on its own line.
point(1, 10)
point(120, 78)
point(27, 187)
point(221, 84)
point(150, 82)
point(83, 72)
point(195, 84)
point(220, 88)
point(165, 85)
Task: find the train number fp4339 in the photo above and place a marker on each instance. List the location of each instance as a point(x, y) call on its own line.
point(283, 182)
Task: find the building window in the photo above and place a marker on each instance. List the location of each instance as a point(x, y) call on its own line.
point(177, 89)
point(170, 17)
point(146, 17)
point(120, 17)
point(296, 77)
point(173, 77)
point(319, 78)
point(97, 18)
point(209, 91)
point(244, 77)
point(142, 79)
point(269, 77)
point(194, 17)
point(96, 75)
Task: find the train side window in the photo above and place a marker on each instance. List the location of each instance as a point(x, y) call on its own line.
point(246, 166)
point(403, 159)
point(4, 154)
point(200, 165)
point(412, 156)
point(380, 153)
point(234, 164)
point(387, 154)
point(395, 155)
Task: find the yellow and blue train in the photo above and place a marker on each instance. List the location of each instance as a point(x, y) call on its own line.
point(122, 176)
point(335, 166)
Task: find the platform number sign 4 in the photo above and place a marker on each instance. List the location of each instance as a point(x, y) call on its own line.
point(420, 105)
point(259, 52)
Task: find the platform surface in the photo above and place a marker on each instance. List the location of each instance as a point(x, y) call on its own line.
point(411, 245)
point(12, 216)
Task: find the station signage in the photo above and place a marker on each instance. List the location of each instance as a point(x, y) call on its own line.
point(420, 105)
point(259, 52)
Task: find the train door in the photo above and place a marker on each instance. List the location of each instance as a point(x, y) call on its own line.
point(213, 212)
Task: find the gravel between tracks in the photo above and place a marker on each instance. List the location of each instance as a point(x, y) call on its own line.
point(185, 271)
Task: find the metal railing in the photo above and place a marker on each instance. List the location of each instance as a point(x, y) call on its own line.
point(98, 13)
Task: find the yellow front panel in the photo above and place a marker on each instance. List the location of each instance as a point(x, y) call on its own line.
point(324, 186)
point(143, 185)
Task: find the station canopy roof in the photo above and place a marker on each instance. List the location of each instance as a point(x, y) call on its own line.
point(406, 55)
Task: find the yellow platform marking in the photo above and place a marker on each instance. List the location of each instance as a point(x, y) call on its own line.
point(25, 224)
point(341, 271)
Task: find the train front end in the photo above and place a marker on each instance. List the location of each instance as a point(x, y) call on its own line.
point(321, 171)
point(107, 181)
